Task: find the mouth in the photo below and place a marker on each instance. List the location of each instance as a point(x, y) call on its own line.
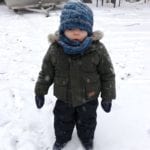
point(77, 40)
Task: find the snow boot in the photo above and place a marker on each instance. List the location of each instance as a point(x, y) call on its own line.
point(88, 146)
point(58, 146)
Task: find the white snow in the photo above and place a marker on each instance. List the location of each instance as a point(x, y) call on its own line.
point(23, 43)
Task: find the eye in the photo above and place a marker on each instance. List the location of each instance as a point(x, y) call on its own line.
point(69, 29)
point(81, 30)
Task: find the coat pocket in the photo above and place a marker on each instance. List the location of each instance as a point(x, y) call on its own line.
point(60, 88)
point(92, 86)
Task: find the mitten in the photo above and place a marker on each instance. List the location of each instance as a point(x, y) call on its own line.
point(106, 105)
point(39, 100)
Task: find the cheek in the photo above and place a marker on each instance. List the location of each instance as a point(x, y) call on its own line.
point(84, 36)
point(68, 35)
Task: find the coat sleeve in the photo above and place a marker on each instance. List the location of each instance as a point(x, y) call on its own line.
point(46, 75)
point(107, 75)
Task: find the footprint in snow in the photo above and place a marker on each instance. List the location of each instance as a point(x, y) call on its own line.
point(126, 76)
point(148, 131)
point(26, 145)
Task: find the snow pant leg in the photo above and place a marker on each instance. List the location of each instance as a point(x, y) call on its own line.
point(64, 121)
point(86, 121)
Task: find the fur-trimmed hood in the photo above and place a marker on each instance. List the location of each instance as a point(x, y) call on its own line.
point(97, 35)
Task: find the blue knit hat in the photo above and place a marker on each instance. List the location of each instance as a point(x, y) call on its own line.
point(76, 15)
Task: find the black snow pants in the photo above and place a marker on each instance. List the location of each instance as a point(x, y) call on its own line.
point(67, 117)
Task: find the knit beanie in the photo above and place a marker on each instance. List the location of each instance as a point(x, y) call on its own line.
point(76, 15)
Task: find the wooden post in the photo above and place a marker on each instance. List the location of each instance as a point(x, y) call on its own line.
point(102, 2)
point(119, 3)
point(87, 1)
point(96, 3)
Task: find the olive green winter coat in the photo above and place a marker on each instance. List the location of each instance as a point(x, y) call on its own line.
point(77, 78)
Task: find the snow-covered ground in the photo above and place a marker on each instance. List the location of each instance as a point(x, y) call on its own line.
point(23, 43)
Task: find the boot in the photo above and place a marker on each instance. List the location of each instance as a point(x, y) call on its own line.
point(88, 146)
point(58, 146)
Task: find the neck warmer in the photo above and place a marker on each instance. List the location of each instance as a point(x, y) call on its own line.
point(74, 47)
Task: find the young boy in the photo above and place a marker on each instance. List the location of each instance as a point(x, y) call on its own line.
point(81, 69)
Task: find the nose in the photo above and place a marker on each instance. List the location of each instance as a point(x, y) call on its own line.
point(76, 31)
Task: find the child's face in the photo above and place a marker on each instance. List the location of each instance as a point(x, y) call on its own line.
point(76, 34)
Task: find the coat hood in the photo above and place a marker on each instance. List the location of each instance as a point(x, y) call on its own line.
point(97, 35)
